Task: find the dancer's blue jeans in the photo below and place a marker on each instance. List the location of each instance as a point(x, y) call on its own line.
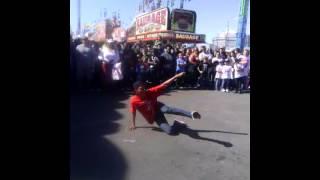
point(161, 120)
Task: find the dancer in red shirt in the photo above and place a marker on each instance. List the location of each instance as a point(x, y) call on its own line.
point(145, 101)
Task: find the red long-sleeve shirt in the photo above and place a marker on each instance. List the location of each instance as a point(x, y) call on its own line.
point(148, 106)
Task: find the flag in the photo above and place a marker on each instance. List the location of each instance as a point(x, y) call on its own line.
point(143, 4)
point(153, 6)
point(105, 13)
point(146, 3)
point(172, 3)
point(159, 4)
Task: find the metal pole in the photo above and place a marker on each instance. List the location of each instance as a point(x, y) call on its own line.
point(242, 24)
point(79, 17)
point(181, 4)
point(227, 36)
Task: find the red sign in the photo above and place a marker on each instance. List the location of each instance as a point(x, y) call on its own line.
point(154, 21)
point(119, 34)
point(100, 32)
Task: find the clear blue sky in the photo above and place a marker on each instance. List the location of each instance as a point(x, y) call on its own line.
point(212, 15)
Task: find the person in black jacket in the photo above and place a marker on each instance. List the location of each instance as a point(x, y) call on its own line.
point(202, 68)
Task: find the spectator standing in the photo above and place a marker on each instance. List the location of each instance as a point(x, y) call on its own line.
point(203, 53)
point(223, 53)
point(211, 73)
point(85, 64)
point(226, 76)
point(203, 67)
point(192, 73)
point(239, 74)
point(245, 60)
point(181, 67)
point(218, 76)
point(217, 57)
point(142, 69)
point(167, 62)
point(110, 56)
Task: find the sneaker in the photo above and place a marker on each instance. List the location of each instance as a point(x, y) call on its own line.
point(223, 90)
point(227, 90)
point(180, 124)
point(195, 115)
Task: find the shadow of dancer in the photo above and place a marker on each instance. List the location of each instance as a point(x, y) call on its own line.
point(92, 116)
point(195, 135)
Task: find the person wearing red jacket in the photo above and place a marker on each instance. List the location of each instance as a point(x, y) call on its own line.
point(145, 101)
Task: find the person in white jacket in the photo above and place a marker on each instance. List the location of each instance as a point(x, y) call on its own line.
point(218, 77)
point(239, 75)
point(226, 76)
point(245, 60)
point(110, 56)
point(203, 54)
point(110, 53)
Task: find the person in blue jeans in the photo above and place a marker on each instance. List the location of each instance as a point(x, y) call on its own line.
point(145, 101)
point(181, 67)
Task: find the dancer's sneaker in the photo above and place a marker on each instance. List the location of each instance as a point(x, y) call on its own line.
point(195, 115)
point(179, 124)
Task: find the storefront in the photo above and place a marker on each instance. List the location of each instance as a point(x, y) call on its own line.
point(159, 24)
point(169, 35)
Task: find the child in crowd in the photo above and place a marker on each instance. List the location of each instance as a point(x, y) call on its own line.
point(181, 67)
point(218, 77)
point(181, 64)
point(226, 76)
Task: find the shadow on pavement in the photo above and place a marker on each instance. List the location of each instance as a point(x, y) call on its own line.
point(92, 116)
point(195, 135)
point(227, 132)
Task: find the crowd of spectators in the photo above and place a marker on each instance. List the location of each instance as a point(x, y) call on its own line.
point(114, 65)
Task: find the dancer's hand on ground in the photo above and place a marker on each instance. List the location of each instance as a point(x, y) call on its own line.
point(131, 128)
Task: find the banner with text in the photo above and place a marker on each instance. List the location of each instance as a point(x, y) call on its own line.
point(154, 21)
point(183, 20)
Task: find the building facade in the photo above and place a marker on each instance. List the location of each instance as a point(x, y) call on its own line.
point(228, 40)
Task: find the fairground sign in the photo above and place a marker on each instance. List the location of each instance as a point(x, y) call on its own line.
point(100, 32)
point(119, 34)
point(183, 20)
point(169, 35)
point(155, 21)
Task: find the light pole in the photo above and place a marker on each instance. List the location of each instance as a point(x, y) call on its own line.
point(181, 4)
point(79, 18)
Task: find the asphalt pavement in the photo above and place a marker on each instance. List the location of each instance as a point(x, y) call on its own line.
point(216, 147)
